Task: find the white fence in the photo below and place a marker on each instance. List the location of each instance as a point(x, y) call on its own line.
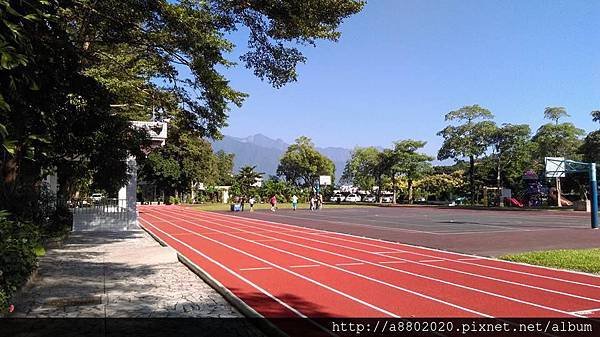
point(107, 215)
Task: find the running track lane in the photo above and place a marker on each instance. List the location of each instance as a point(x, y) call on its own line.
point(288, 271)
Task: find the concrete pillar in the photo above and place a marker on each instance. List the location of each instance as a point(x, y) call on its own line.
point(132, 192)
point(128, 194)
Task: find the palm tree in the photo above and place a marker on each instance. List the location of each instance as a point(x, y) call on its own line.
point(247, 178)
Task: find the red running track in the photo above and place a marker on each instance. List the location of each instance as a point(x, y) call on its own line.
point(282, 270)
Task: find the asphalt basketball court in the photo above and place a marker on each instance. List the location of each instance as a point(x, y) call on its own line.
point(482, 232)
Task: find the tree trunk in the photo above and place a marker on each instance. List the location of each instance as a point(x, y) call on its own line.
point(410, 191)
point(499, 184)
point(379, 188)
point(394, 186)
point(472, 178)
point(192, 191)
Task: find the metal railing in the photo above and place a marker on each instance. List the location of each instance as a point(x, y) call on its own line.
point(107, 214)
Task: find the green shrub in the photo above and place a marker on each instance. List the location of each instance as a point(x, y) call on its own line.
point(61, 222)
point(19, 248)
point(174, 201)
point(3, 302)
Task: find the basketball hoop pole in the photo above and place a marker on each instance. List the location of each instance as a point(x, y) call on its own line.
point(594, 187)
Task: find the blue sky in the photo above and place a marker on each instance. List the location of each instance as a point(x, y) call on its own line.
point(401, 65)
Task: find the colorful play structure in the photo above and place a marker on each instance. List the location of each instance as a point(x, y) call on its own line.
point(536, 193)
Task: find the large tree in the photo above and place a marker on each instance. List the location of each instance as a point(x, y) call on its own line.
point(169, 56)
point(512, 153)
point(302, 164)
point(55, 116)
point(245, 180)
point(591, 144)
point(557, 139)
point(470, 139)
point(361, 167)
point(411, 164)
point(224, 168)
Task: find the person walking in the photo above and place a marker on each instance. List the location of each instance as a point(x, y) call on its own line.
point(242, 201)
point(312, 202)
point(319, 201)
point(251, 201)
point(294, 202)
point(273, 203)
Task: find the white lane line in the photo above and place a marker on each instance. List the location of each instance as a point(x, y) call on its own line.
point(305, 266)
point(355, 224)
point(435, 260)
point(387, 252)
point(331, 266)
point(256, 268)
point(470, 259)
point(230, 271)
point(279, 267)
point(443, 268)
point(586, 312)
point(391, 262)
point(498, 231)
point(395, 269)
point(349, 264)
point(335, 235)
point(265, 240)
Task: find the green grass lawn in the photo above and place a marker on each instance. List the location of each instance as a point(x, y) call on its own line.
point(225, 207)
point(586, 260)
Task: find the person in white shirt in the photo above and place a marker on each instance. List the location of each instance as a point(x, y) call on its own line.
point(294, 202)
point(251, 202)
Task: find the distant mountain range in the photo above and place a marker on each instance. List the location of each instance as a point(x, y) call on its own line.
point(265, 152)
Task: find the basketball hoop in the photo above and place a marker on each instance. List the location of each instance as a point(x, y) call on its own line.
point(325, 180)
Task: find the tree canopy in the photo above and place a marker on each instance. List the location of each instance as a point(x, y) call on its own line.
point(512, 153)
point(555, 113)
point(558, 140)
point(302, 164)
point(470, 139)
point(596, 116)
point(246, 179)
point(55, 116)
point(411, 164)
point(168, 56)
point(361, 168)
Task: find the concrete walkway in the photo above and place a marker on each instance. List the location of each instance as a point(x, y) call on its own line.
point(110, 275)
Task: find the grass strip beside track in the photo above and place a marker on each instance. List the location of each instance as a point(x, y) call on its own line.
point(586, 260)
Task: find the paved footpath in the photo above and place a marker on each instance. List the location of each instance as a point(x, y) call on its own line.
point(109, 275)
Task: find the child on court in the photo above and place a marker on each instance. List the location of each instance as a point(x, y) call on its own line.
point(273, 203)
point(294, 202)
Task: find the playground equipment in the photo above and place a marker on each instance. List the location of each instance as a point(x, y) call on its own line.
point(554, 195)
point(490, 195)
point(557, 167)
point(515, 202)
point(536, 192)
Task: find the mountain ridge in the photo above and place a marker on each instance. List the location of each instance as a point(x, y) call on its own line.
point(265, 152)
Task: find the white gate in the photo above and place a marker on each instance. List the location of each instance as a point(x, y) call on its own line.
point(107, 215)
